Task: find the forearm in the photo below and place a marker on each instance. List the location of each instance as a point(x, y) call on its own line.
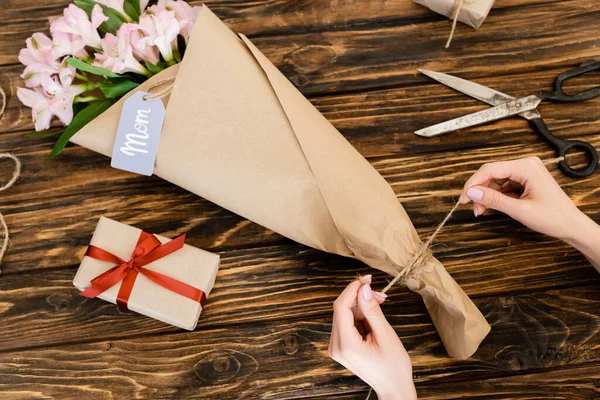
point(587, 240)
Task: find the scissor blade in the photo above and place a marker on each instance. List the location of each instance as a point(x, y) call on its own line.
point(475, 90)
point(504, 110)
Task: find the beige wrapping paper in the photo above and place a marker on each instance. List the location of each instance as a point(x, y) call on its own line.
point(239, 134)
point(472, 13)
point(189, 264)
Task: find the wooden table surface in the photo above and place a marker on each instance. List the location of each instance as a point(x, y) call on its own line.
point(265, 329)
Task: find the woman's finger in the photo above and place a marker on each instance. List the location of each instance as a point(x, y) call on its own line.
point(504, 170)
point(359, 316)
point(344, 309)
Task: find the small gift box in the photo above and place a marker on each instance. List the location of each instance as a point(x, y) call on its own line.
point(149, 274)
point(470, 12)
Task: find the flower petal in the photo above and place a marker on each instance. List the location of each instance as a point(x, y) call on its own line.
point(98, 16)
point(28, 97)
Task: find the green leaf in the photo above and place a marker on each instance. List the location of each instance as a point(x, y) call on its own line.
point(83, 66)
point(117, 89)
point(114, 22)
point(132, 8)
point(79, 121)
point(44, 134)
point(85, 5)
point(156, 68)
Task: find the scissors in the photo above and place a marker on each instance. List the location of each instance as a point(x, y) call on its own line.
point(526, 107)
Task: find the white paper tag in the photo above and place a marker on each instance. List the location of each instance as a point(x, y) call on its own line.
point(138, 134)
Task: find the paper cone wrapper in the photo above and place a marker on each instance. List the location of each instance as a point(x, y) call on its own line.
point(239, 134)
point(189, 264)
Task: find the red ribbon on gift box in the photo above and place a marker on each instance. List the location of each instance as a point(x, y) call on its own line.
point(147, 250)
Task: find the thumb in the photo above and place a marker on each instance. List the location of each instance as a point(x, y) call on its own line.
point(493, 199)
point(369, 307)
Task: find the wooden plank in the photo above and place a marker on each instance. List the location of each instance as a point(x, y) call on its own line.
point(289, 359)
point(381, 123)
point(271, 284)
point(21, 18)
point(573, 383)
point(79, 188)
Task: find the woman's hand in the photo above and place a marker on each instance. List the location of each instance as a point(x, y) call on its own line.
point(525, 190)
point(363, 341)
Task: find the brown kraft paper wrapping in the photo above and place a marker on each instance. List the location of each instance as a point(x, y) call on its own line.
point(472, 13)
point(239, 134)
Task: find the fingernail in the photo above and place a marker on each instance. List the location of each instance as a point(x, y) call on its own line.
point(475, 210)
point(366, 292)
point(381, 294)
point(367, 277)
point(463, 199)
point(475, 194)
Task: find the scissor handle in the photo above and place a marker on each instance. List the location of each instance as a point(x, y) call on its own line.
point(563, 146)
point(558, 95)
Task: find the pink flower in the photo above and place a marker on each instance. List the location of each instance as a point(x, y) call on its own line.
point(40, 56)
point(76, 22)
point(62, 93)
point(161, 30)
point(67, 44)
point(39, 104)
point(142, 50)
point(183, 13)
point(54, 97)
point(117, 53)
point(39, 50)
point(32, 75)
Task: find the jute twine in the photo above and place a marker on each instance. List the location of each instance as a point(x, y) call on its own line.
point(15, 176)
point(159, 94)
point(458, 5)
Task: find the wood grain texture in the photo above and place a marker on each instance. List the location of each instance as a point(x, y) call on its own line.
point(89, 188)
point(575, 383)
point(265, 330)
point(289, 359)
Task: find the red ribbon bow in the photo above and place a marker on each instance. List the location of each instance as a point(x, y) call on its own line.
point(147, 250)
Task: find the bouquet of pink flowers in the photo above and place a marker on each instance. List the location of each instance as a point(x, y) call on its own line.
point(97, 52)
